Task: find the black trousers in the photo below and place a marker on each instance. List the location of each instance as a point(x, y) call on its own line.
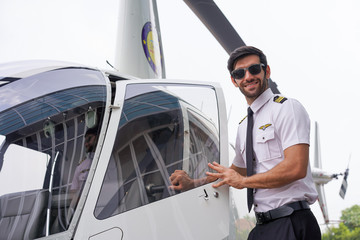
point(301, 225)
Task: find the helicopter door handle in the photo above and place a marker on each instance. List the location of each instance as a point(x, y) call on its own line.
point(205, 195)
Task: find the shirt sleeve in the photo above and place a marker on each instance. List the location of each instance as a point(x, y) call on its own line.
point(293, 124)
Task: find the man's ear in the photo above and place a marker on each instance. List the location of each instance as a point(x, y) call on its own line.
point(268, 72)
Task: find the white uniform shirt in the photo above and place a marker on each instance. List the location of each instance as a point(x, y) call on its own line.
point(278, 124)
point(81, 172)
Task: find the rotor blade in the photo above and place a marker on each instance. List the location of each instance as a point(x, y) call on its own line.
point(317, 151)
point(212, 17)
point(220, 27)
point(273, 86)
point(344, 184)
point(322, 202)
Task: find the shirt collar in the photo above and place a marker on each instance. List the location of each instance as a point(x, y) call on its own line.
point(261, 100)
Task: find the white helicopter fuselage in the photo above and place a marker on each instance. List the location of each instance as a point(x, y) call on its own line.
point(320, 176)
point(145, 130)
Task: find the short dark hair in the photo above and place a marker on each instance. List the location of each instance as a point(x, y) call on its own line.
point(242, 52)
point(93, 131)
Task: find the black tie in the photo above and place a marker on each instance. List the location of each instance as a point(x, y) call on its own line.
point(249, 155)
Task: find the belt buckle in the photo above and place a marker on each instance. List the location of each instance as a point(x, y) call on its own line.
point(260, 218)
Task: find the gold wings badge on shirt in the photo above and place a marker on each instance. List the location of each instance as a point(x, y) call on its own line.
point(265, 126)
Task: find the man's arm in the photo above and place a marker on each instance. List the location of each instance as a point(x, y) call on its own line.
point(241, 171)
point(293, 167)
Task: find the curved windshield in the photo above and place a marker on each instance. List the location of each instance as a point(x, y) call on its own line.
point(49, 124)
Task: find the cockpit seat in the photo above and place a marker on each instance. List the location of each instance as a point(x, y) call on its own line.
point(23, 214)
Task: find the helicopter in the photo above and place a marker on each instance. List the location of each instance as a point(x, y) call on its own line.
point(143, 128)
point(54, 138)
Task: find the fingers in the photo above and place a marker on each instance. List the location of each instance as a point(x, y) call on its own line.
point(175, 179)
point(219, 174)
point(216, 163)
point(217, 167)
point(176, 174)
point(175, 188)
point(180, 181)
point(218, 184)
point(225, 175)
point(216, 175)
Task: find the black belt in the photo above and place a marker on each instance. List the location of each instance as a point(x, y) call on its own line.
point(283, 211)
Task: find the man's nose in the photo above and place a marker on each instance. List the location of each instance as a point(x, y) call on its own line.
point(248, 75)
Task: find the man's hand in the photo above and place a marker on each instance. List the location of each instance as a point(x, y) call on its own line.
point(292, 168)
point(181, 181)
point(227, 175)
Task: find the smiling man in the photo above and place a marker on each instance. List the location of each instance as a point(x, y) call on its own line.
point(272, 154)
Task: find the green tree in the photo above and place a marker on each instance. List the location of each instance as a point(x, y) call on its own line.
point(349, 229)
point(351, 217)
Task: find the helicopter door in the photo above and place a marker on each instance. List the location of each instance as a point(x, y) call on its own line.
point(162, 128)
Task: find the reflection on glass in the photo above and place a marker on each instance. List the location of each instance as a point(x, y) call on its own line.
point(163, 129)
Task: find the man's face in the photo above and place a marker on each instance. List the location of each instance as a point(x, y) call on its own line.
point(90, 142)
point(251, 85)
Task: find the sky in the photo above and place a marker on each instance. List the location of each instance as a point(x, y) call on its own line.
point(312, 49)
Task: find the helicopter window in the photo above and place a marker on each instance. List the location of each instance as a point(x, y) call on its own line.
point(44, 132)
point(204, 147)
point(162, 128)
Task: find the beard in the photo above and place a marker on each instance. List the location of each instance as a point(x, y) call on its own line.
point(90, 149)
point(253, 95)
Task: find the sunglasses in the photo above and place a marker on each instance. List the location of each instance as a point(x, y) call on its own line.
point(253, 69)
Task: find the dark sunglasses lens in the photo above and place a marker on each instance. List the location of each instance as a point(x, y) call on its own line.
point(238, 74)
point(255, 69)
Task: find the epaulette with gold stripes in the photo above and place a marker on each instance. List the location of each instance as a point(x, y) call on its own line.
point(279, 99)
point(242, 120)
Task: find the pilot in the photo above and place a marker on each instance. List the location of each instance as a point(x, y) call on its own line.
point(82, 169)
point(279, 183)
